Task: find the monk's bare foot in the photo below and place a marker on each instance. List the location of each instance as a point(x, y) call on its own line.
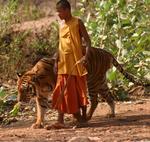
point(81, 125)
point(55, 126)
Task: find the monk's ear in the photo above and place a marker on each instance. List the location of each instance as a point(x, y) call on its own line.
point(18, 75)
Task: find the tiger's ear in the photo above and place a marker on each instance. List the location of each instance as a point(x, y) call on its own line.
point(19, 75)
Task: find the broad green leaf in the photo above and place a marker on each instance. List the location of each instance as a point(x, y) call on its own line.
point(112, 74)
point(15, 109)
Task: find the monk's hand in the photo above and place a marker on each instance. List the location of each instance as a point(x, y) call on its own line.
point(83, 60)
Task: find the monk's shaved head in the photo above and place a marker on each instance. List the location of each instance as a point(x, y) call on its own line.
point(63, 4)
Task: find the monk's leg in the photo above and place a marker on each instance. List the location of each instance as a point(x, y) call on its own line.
point(60, 117)
point(78, 116)
point(59, 124)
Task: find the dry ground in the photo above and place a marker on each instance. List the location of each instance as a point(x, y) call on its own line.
point(132, 124)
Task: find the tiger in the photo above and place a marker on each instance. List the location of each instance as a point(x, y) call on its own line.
point(41, 80)
point(38, 82)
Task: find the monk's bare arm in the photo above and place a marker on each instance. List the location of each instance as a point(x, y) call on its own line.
point(85, 35)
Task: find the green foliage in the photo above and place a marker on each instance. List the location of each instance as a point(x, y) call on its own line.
point(29, 11)
point(121, 94)
point(121, 27)
point(20, 50)
point(15, 109)
point(7, 13)
point(2, 93)
point(7, 101)
point(46, 41)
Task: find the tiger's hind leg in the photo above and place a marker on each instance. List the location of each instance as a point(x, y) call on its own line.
point(106, 95)
point(111, 103)
point(94, 103)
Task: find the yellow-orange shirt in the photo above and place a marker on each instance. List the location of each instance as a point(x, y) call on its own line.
point(70, 49)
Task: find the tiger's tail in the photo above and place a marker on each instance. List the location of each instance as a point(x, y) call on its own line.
point(127, 75)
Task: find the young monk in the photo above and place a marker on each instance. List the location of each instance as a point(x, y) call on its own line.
point(70, 76)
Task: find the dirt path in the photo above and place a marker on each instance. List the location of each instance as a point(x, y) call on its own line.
point(132, 124)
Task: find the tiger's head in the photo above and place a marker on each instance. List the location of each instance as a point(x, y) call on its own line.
point(39, 81)
point(26, 87)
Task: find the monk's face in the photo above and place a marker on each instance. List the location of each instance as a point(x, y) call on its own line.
point(62, 13)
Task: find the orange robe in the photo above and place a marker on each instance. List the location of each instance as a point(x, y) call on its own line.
point(70, 51)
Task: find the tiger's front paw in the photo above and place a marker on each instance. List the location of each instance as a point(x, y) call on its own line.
point(36, 126)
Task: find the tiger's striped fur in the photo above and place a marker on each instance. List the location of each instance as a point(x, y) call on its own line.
point(42, 76)
point(99, 62)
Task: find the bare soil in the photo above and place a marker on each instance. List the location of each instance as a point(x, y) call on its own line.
point(131, 124)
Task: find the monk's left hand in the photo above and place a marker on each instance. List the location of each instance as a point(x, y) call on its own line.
point(83, 60)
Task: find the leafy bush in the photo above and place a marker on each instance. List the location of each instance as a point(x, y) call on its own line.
point(18, 49)
point(121, 27)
